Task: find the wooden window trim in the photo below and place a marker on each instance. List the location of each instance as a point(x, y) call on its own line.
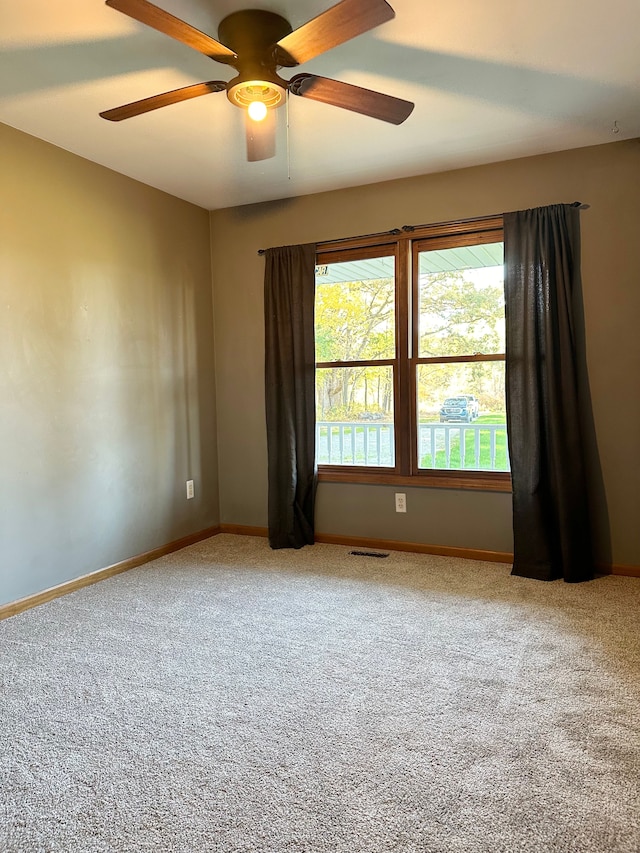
point(484, 227)
point(458, 359)
point(430, 479)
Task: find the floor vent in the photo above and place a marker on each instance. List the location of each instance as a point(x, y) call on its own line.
point(367, 554)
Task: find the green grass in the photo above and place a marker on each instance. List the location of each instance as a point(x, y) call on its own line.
point(497, 418)
point(469, 462)
point(491, 419)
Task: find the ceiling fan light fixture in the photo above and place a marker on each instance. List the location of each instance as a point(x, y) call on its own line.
point(247, 92)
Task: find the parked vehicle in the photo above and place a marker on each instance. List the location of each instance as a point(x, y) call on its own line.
point(463, 407)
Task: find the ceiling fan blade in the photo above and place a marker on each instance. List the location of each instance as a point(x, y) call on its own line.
point(341, 22)
point(354, 98)
point(174, 97)
point(158, 19)
point(261, 137)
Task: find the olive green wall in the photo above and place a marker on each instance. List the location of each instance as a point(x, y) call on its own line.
point(605, 177)
point(107, 395)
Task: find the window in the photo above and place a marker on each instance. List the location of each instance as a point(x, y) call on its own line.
point(410, 353)
point(356, 359)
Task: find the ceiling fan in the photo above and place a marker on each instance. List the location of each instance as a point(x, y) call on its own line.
point(256, 43)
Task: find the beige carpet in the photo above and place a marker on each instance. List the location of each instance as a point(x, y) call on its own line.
point(231, 698)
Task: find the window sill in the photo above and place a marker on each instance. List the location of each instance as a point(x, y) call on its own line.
point(476, 481)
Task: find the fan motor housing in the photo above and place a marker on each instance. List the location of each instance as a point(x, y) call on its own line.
point(252, 35)
point(252, 31)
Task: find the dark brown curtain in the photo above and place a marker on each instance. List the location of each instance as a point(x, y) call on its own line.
point(289, 295)
point(550, 510)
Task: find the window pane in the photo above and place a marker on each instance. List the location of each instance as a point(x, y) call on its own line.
point(355, 312)
point(462, 417)
point(461, 301)
point(354, 416)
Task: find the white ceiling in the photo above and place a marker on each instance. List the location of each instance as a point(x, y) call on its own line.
point(491, 80)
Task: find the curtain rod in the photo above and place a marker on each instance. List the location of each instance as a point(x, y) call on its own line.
point(408, 228)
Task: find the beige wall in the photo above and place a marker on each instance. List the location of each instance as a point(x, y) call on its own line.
point(607, 178)
point(107, 391)
point(107, 394)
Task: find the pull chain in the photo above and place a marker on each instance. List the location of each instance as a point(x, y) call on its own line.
point(288, 149)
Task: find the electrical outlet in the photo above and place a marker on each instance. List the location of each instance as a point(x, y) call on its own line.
point(190, 491)
point(401, 502)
